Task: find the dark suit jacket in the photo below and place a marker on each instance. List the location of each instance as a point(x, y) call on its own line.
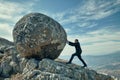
point(77, 47)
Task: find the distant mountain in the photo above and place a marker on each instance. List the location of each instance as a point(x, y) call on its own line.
point(96, 61)
point(113, 66)
point(109, 64)
point(111, 69)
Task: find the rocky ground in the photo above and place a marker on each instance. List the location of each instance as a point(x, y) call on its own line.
point(14, 67)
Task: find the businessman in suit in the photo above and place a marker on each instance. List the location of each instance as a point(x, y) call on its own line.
point(78, 52)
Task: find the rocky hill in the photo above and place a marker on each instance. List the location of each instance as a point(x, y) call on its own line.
point(38, 41)
point(14, 67)
point(4, 42)
point(109, 64)
point(111, 69)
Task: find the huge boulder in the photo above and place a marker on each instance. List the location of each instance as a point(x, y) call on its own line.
point(39, 36)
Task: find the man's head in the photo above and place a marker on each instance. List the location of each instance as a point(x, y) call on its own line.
point(76, 40)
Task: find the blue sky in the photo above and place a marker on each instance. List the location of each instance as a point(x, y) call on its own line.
point(96, 23)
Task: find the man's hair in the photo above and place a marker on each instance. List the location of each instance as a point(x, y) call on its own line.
point(76, 40)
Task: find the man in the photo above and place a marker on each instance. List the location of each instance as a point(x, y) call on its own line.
point(77, 53)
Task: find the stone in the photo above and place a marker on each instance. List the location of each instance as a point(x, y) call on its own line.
point(39, 36)
point(0, 69)
point(1, 55)
point(6, 69)
point(22, 64)
point(5, 42)
point(32, 64)
point(69, 72)
point(15, 67)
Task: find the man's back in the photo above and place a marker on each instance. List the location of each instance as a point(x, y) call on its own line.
point(77, 46)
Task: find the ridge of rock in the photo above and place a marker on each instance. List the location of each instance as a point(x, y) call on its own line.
point(4, 46)
point(14, 67)
point(5, 42)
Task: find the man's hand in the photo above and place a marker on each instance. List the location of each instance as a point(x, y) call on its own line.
point(67, 42)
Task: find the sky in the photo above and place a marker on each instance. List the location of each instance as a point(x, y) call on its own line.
point(96, 23)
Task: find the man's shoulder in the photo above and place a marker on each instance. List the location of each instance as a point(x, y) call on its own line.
point(77, 43)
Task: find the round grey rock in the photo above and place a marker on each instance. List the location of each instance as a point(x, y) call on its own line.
point(39, 36)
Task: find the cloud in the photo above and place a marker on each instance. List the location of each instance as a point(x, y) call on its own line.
point(95, 10)
point(86, 24)
point(79, 22)
point(101, 48)
point(101, 35)
point(90, 10)
point(6, 31)
point(95, 43)
point(10, 13)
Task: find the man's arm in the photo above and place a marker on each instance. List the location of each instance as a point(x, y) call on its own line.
point(71, 43)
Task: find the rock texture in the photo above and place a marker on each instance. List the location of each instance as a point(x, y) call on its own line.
point(39, 36)
point(14, 67)
point(4, 42)
point(4, 46)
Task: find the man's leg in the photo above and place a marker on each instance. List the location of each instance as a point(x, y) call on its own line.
point(79, 56)
point(71, 58)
